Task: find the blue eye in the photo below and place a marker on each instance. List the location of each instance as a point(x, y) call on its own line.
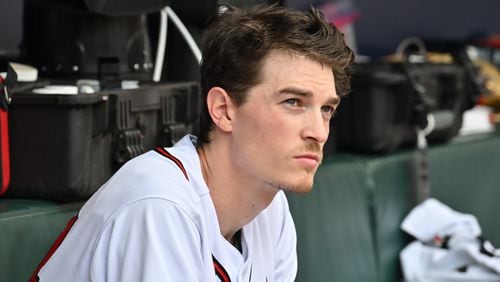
point(328, 110)
point(292, 102)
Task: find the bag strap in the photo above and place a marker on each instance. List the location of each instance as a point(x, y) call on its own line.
point(422, 118)
point(422, 187)
point(417, 89)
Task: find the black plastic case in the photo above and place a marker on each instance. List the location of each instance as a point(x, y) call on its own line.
point(63, 147)
point(382, 112)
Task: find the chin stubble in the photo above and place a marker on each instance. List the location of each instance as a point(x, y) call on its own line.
point(287, 187)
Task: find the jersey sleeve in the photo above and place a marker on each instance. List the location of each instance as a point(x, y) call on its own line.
point(150, 240)
point(286, 258)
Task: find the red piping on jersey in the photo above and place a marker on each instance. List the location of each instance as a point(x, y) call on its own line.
point(53, 248)
point(166, 154)
point(220, 271)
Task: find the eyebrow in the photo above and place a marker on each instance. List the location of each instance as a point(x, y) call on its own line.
point(335, 100)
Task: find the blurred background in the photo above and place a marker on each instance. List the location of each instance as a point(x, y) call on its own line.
point(415, 59)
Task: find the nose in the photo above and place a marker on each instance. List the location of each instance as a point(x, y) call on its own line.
point(316, 127)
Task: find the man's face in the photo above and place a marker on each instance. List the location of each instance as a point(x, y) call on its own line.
point(279, 132)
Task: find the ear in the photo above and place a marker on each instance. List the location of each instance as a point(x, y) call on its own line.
point(220, 108)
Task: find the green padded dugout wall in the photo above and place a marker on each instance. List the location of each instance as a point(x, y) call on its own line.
point(28, 228)
point(335, 241)
point(466, 176)
point(390, 181)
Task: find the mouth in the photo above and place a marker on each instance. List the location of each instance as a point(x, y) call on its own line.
point(308, 160)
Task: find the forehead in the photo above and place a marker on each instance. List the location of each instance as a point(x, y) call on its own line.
point(286, 69)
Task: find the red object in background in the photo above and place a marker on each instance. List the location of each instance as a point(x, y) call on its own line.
point(4, 141)
point(492, 41)
point(341, 13)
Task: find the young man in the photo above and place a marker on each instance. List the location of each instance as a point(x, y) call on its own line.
point(213, 208)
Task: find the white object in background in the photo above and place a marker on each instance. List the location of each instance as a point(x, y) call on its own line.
point(165, 14)
point(57, 90)
point(185, 33)
point(88, 86)
point(432, 218)
point(476, 120)
point(24, 72)
point(130, 84)
point(162, 42)
point(448, 248)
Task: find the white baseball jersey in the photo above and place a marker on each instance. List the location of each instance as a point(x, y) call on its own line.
point(154, 220)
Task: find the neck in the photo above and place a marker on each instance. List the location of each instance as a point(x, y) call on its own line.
point(237, 198)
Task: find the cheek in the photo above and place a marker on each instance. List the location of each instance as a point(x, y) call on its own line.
point(263, 137)
point(276, 129)
point(263, 123)
point(268, 127)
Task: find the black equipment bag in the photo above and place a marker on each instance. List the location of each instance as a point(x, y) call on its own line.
point(389, 100)
point(408, 92)
point(64, 146)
